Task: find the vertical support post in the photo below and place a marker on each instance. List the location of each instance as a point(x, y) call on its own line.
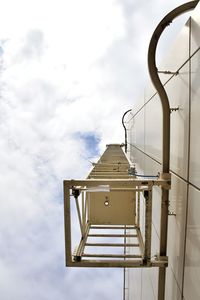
point(67, 223)
point(148, 222)
point(124, 241)
point(80, 250)
point(83, 211)
point(163, 241)
point(124, 273)
point(79, 216)
point(138, 208)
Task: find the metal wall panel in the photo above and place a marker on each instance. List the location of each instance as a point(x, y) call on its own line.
point(149, 92)
point(147, 285)
point(173, 59)
point(137, 158)
point(152, 168)
point(153, 272)
point(195, 121)
point(153, 128)
point(139, 130)
point(176, 229)
point(172, 292)
point(192, 259)
point(177, 53)
point(137, 104)
point(135, 284)
point(195, 21)
point(178, 93)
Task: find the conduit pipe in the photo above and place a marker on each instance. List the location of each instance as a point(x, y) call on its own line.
point(125, 128)
point(153, 71)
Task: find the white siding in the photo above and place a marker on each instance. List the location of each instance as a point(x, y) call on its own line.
point(145, 137)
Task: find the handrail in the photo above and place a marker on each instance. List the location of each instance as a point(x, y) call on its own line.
point(166, 128)
point(125, 129)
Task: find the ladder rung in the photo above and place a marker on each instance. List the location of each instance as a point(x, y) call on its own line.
point(111, 245)
point(112, 235)
point(107, 176)
point(112, 255)
point(113, 227)
point(109, 172)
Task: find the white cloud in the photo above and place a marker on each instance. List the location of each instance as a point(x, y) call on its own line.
point(67, 67)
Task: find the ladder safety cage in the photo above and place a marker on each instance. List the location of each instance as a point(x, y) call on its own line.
point(108, 210)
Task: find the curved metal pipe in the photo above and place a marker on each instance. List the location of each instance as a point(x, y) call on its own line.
point(156, 80)
point(125, 128)
point(166, 128)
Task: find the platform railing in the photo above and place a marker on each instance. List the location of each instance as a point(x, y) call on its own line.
point(141, 256)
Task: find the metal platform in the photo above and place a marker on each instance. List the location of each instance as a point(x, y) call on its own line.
point(108, 210)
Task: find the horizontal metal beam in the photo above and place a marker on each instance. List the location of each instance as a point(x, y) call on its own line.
point(105, 175)
point(111, 245)
point(117, 264)
point(111, 255)
point(119, 189)
point(112, 227)
point(108, 263)
point(112, 235)
point(128, 182)
point(116, 164)
point(110, 172)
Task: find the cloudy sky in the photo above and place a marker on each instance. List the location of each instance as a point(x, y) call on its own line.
point(68, 71)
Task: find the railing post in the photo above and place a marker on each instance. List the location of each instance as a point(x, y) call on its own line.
point(148, 222)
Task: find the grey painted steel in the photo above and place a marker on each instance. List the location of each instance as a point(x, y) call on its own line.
point(166, 127)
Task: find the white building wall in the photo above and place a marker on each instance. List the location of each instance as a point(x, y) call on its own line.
point(145, 150)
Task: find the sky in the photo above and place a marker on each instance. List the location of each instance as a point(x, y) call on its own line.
point(69, 69)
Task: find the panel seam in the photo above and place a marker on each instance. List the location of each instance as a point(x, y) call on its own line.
point(188, 167)
point(171, 171)
point(187, 60)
